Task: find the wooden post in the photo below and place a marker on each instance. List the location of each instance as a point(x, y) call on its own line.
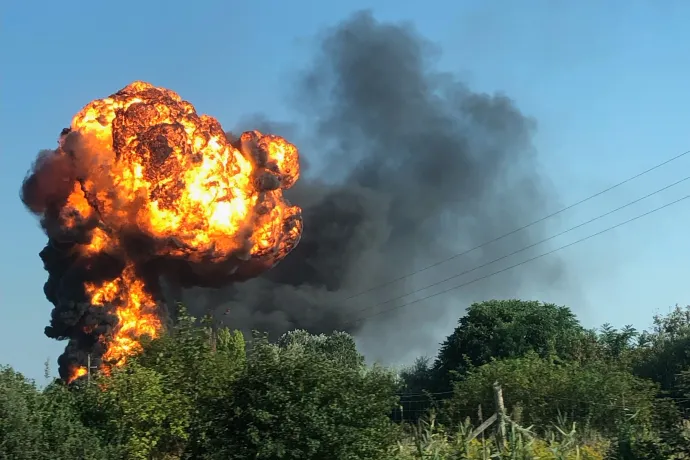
point(212, 329)
point(481, 421)
point(212, 338)
point(89, 367)
point(500, 415)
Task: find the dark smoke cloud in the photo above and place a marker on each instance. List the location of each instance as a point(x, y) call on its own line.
point(407, 166)
point(402, 166)
point(44, 192)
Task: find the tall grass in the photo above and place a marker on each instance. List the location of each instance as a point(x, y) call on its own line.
point(428, 440)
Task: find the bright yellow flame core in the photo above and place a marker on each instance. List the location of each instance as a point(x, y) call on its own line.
point(151, 163)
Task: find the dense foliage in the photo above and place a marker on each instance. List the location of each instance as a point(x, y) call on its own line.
point(204, 393)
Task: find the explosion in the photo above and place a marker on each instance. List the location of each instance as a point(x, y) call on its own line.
point(141, 189)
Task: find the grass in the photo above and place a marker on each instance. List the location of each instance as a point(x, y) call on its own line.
point(430, 441)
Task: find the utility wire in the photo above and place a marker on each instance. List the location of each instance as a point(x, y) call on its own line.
point(455, 256)
point(357, 320)
point(601, 216)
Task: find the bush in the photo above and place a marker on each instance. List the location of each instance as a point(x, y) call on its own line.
point(595, 395)
point(299, 401)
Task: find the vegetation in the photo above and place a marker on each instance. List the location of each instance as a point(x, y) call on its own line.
point(202, 393)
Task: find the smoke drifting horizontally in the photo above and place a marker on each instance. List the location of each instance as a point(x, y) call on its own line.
point(409, 166)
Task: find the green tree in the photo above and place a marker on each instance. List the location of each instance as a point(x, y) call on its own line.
point(20, 423)
point(199, 363)
point(507, 329)
point(417, 378)
point(64, 436)
point(338, 346)
point(617, 343)
point(39, 425)
point(297, 400)
point(134, 409)
point(595, 394)
point(664, 352)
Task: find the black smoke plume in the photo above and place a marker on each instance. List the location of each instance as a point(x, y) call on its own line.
point(407, 166)
point(44, 192)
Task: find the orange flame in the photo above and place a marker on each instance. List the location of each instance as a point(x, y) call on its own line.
point(148, 162)
point(77, 372)
point(136, 314)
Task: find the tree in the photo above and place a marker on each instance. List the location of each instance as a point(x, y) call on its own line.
point(20, 424)
point(595, 394)
point(161, 403)
point(198, 365)
point(43, 425)
point(507, 329)
point(417, 378)
point(338, 346)
point(296, 400)
point(132, 408)
point(617, 343)
point(663, 354)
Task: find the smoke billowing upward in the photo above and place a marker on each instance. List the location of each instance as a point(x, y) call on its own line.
point(144, 201)
point(407, 166)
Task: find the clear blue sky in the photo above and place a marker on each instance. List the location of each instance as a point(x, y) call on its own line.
point(606, 81)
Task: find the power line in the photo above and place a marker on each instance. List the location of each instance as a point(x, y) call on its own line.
point(524, 227)
point(528, 247)
point(520, 263)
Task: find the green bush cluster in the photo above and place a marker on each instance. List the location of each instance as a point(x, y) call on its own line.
point(204, 393)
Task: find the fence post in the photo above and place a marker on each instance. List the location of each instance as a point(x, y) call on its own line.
point(481, 421)
point(500, 415)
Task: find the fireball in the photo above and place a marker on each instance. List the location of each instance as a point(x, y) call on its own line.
point(164, 192)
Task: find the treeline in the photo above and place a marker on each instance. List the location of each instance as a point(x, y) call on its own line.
point(204, 393)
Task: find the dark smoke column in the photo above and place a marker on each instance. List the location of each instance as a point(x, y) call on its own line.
point(408, 166)
point(45, 192)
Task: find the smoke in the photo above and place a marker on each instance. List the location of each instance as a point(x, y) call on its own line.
point(407, 166)
point(44, 191)
point(402, 166)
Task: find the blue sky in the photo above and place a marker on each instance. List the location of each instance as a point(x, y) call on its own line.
point(606, 82)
